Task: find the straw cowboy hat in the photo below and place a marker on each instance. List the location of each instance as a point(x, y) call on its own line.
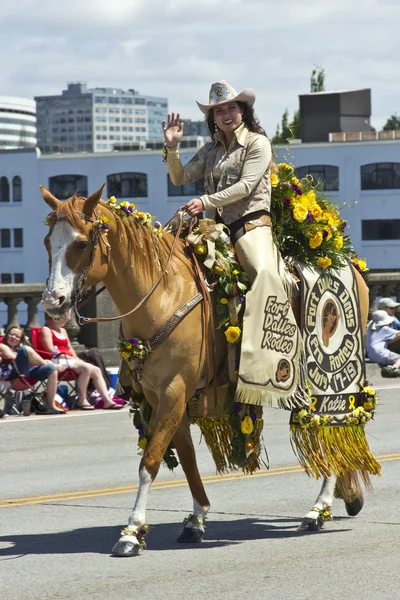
point(221, 93)
point(380, 318)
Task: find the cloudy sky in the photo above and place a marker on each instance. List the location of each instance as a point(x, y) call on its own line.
point(177, 48)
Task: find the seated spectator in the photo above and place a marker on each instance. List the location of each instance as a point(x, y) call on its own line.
point(25, 361)
point(379, 336)
point(54, 339)
point(389, 306)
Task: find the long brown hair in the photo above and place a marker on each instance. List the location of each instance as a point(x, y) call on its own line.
point(24, 340)
point(249, 119)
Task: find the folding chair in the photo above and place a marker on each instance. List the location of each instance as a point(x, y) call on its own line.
point(15, 392)
point(68, 376)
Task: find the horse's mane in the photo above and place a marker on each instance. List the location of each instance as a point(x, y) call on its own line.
point(149, 253)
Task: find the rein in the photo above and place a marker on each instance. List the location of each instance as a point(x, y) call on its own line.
point(83, 278)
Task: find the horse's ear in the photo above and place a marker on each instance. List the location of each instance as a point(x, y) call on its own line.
point(48, 197)
point(92, 202)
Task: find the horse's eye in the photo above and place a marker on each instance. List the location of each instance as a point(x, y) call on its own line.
point(82, 245)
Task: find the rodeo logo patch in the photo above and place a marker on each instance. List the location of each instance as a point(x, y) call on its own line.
point(332, 335)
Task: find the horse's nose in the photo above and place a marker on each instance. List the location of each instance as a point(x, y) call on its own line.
point(52, 300)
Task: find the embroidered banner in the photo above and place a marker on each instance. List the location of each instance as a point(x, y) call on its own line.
point(333, 339)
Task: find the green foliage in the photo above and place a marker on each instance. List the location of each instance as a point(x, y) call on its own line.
point(317, 83)
point(392, 123)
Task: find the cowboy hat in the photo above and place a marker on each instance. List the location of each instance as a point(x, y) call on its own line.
point(221, 93)
point(380, 318)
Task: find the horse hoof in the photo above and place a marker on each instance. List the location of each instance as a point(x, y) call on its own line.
point(126, 548)
point(309, 524)
point(354, 507)
point(190, 535)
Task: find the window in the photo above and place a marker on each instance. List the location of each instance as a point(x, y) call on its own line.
point(326, 174)
point(127, 185)
point(5, 238)
point(6, 278)
point(17, 189)
point(383, 229)
point(18, 238)
point(65, 186)
point(193, 189)
point(4, 190)
point(380, 176)
point(19, 278)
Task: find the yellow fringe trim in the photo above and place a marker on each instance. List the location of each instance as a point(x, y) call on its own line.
point(327, 451)
point(218, 434)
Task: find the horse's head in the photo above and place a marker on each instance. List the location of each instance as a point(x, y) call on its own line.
point(76, 259)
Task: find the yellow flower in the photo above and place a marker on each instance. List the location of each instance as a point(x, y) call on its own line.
point(316, 211)
point(232, 334)
point(132, 205)
point(128, 346)
point(338, 242)
point(218, 270)
point(368, 390)
point(324, 262)
point(285, 169)
point(332, 217)
point(300, 213)
point(274, 180)
point(104, 220)
point(224, 301)
point(142, 443)
point(368, 405)
point(356, 421)
point(124, 204)
point(235, 272)
point(246, 425)
point(200, 249)
point(249, 446)
point(112, 200)
point(140, 215)
point(362, 263)
point(125, 355)
point(312, 196)
point(316, 240)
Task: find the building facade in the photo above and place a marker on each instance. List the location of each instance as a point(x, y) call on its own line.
point(362, 178)
point(95, 120)
point(17, 123)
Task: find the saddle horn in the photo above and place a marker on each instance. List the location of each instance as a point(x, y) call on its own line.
point(92, 201)
point(48, 197)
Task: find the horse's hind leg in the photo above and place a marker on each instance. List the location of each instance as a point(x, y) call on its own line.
point(348, 488)
point(170, 411)
point(322, 509)
point(194, 526)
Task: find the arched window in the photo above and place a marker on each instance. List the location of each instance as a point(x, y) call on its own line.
point(380, 176)
point(193, 189)
point(127, 185)
point(328, 175)
point(17, 189)
point(4, 190)
point(65, 186)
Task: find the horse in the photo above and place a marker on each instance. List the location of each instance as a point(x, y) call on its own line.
point(129, 262)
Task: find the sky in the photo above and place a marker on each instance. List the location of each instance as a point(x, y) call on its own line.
point(178, 48)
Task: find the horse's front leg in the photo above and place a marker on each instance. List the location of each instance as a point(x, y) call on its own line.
point(194, 525)
point(322, 509)
point(170, 410)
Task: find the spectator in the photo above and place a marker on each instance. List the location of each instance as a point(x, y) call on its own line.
point(389, 306)
point(25, 361)
point(54, 339)
point(379, 336)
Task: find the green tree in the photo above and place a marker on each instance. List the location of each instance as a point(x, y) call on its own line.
point(392, 123)
point(317, 83)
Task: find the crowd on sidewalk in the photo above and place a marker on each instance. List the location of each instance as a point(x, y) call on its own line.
point(383, 338)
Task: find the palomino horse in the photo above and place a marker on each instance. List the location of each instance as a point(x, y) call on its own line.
point(128, 264)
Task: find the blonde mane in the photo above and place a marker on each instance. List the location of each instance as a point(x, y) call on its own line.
point(149, 253)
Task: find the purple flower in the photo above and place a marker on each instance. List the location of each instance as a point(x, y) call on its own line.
point(344, 225)
point(237, 407)
point(286, 201)
point(324, 234)
point(134, 341)
point(297, 189)
point(140, 429)
point(158, 224)
point(253, 416)
point(309, 217)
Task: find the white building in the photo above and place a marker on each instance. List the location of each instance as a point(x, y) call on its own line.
point(83, 119)
point(17, 123)
point(363, 175)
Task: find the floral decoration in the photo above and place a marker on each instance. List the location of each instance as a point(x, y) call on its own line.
point(133, 349)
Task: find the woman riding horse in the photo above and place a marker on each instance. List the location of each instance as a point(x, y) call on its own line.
point(236, 167)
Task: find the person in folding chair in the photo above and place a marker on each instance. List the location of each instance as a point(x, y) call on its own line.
point(28, 365)
point(55, 341)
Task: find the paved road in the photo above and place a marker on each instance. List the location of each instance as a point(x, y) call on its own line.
point(72, 479)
